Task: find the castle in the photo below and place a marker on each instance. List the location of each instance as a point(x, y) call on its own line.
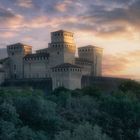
point(57, 61)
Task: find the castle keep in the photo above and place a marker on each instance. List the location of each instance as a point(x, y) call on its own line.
point(57, 62)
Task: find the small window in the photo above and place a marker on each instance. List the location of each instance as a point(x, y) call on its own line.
point(58, 53)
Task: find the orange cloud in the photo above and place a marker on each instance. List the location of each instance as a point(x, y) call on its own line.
point(113, 64)
point(44, 21)
point(63, 6)
point(25, 3)
point(12, 22)
point(7, 35)
point(122, 65)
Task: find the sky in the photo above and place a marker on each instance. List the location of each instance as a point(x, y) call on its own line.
point(113, 25)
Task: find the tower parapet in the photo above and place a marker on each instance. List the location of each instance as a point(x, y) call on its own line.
point(66, 75)
point(62, 47)
point(16, 52)
point(93, 54)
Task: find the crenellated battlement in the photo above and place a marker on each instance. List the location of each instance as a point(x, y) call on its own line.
point(57, 61)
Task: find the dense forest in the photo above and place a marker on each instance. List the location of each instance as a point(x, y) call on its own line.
point(81, 114)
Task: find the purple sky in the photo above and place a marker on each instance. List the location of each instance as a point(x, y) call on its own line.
point(111, 24)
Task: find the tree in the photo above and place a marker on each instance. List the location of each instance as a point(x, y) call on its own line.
point(25, 133)
point(130, 85)
point(83, 132)
point(7, 130)
point(8, 113)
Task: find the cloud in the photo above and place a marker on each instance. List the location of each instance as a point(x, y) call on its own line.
point(25, 3)
point(67, 5)
point(125, 64)
point(9, 19)
point(61, 7)
point(108, 20)
point(7, 34)
point(45, 21)
point(113, 64)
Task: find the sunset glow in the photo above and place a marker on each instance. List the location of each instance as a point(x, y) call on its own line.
point(112, 25)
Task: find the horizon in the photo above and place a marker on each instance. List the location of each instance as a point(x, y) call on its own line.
point(113, 26)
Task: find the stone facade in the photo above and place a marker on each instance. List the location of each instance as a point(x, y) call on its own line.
point(57, 61)
point(16, 53)
point(2, 74)
point(94, 55)
point(66, 75)
point(36, 65)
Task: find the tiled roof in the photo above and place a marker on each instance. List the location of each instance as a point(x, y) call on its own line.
point(66, 65)
point(37, 55)
point(90, 46)
point(62, 31)
point(19, 44)
point(83, 60)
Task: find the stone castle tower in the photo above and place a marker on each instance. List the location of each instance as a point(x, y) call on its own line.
point(56, 62)
point(16, 52)
point(62, 47)
point(92, 54)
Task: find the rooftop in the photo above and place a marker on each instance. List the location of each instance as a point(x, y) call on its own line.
point(37, 55)
point(19, 44)
point(63, 31)
point(83, 60)
point(90, 46)
point(66, 65)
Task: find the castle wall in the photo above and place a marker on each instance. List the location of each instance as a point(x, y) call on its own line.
point(62, 48)
point(93, 54)
point(62, 36)
point(85, 65)
point(36, 67)
point(5, 66)
point(75, 80)
point(107, 84)
point(66, 77)
point(2, 76)
point(56, 55)
point(16, 52)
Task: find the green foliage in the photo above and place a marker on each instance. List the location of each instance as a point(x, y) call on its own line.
point(130, 86)
point(26, 133)
point(92, 91)
point(83, 132)
point(81, 114)
point(7, 130)
point(8, 113)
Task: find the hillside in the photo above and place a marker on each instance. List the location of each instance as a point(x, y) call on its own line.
point(82, 114)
